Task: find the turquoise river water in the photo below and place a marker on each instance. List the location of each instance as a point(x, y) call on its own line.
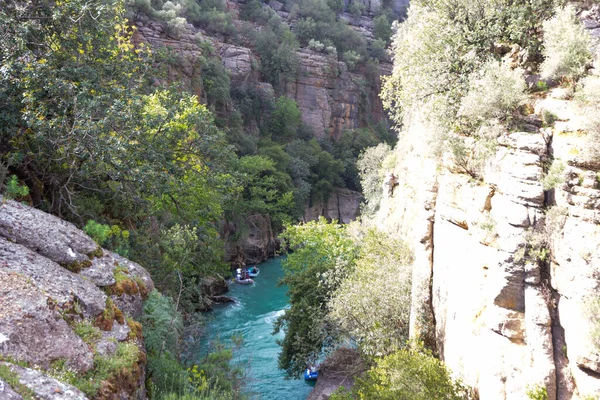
point(253, 315)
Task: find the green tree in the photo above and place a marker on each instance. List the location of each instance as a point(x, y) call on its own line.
point(64, 91)
point(285, 119)
point(323, 254)
point(382, 28)
point(408, 374)
point(372, 305)
point(277, 53)
point(566, 46)
point(215, 80)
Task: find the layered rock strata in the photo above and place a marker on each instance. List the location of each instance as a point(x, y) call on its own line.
point(330, 98)
point(505, 270)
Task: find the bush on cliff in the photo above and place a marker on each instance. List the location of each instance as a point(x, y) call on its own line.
point(407, 374)
point(566, 46)
point(370, 169)
point(588, 100)
point(372, 305)
point(442, 43)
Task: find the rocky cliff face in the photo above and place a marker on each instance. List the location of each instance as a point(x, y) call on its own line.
point(55, 285)
point(330, 97)
point(343, 206)
point(504, 269)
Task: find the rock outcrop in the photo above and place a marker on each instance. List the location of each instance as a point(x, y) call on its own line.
point(53, 279)
point(343, 205)
point(257, 241)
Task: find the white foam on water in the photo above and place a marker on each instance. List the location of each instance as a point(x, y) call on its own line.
point(273, 315)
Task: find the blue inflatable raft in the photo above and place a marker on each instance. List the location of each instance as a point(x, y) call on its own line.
point(311, 374)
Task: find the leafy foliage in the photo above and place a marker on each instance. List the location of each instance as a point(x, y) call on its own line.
point(566, 46)
point(14, 189)
point(323, 255)
point(588, 99)
point(495, 91)
point(277, 50)
point(408, 374)
point(214, 377)
point(442, 42)
point(372, 305)
point(371, 172)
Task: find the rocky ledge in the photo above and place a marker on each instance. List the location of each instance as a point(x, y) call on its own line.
point(66, 306)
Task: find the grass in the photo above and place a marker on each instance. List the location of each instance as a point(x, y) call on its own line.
point(87, 332)
point(106, 368)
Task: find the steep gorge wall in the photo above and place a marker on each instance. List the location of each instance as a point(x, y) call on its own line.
point(502, 319)
point(329, 96)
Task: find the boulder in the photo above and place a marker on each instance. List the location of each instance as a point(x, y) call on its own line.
point(45, 234)
point(32, 331)
point(343, 205)
point(52, 278)
point(63, 286)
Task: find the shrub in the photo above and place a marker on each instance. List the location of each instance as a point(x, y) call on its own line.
point(473, 153)
point(357, 8)
point(14, 190)
point(316, 45)
point(215, 79)
point(176, 26)
point(382, 28)
point(305, 29)
point(98, 232)
point(277, 54)
point(548, 118)
point(494, 92)
point(566, 46)
point(409, 374)
point(554, 176)
point(378, 49)
point(588, 99)
point(371, 172)
point(351, 58)
point(372, 306)
point(537, 393)
point(593, 310)
point(254, 11)
point(539, 240)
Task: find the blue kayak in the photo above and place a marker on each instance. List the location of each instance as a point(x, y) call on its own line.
point(310, 374)
point(253, 272)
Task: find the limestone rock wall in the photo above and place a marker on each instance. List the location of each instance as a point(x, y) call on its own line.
point(343, 205)
point(504, 320)
point(53, 277)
